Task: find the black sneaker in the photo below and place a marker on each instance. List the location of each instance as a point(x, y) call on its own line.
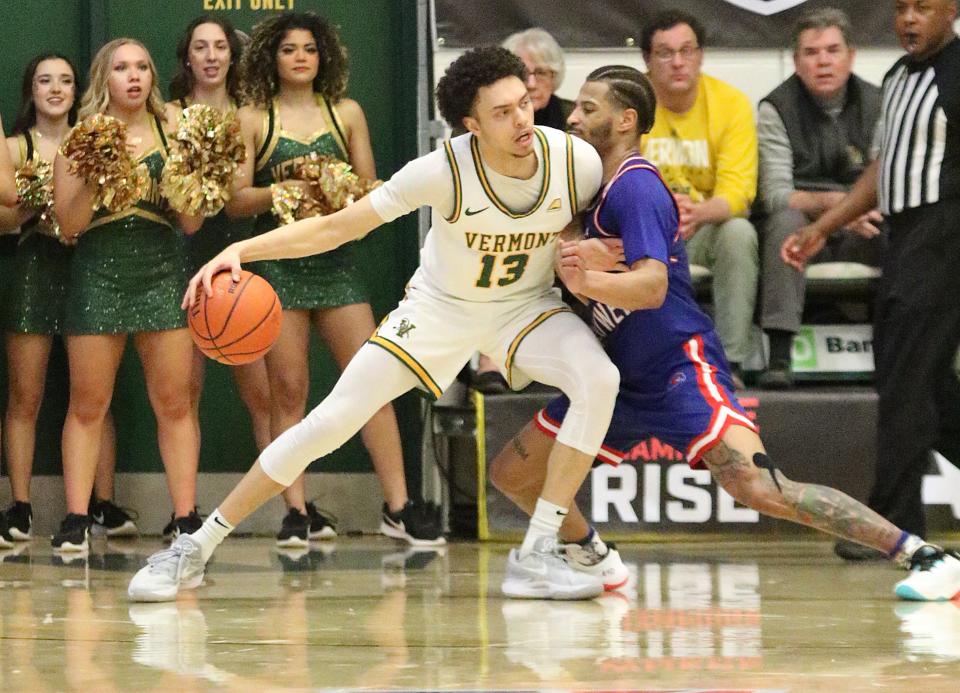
point(852, 551)
point(74, 533)
point(186, 524)
point(19, 521)
point(170, 527)
point(6, 541)
point(778, 376)
point(294, 530)
point(112, 520)
point(321, 523)
point(417, 523)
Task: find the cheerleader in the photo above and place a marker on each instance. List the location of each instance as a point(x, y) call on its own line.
point(33, 310)
point(208, 66)
point(127, 272)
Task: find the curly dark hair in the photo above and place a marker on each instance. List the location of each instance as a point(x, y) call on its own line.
point(27, 115)
point(666, 20)
point(259, 65)
point(480, 67)
point(181, 84)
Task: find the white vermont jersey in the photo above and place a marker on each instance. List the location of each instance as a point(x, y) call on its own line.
point(484, 251)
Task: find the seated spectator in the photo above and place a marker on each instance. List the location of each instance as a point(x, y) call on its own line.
point(705, 143)
point(814, 132)
point(543, 58)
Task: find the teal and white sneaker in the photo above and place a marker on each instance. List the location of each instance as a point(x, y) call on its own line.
point(544, 574)
point(934, 576)
point(169, 571)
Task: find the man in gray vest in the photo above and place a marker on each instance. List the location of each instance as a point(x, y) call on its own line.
point(814, 133)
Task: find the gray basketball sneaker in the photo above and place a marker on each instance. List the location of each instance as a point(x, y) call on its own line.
point(544, 574)
point(168, 571)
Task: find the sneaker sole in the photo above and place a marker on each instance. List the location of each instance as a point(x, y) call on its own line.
point(168, 595)
point(68, 547)
point(910, 594)
point(325, 533)
point(293, 543)
point(394, 533)
point(517, 589)
point(5, 544)
point(17, 535)
point(127, 529)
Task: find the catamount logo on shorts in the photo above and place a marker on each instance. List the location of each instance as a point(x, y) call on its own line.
point(405, 328)
point(766, 7)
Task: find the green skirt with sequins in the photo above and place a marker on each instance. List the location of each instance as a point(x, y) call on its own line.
point(318, 281)
point(127, 276)
point(215, 235)
point(37, 293)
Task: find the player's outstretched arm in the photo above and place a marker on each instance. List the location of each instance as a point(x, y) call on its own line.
point(301, 238)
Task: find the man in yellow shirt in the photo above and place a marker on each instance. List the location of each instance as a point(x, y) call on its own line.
point(704, 140)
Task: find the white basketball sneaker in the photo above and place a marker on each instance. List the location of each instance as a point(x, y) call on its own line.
point(543, 574)
point(934, 576)
point(597, 559)
point(168, 571)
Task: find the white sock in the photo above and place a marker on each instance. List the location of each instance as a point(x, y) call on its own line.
point(214, 530)
point(545, 522)
point(905, 548)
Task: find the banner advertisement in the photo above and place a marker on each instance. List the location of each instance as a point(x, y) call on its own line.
point(616, 23)
point(833, 349)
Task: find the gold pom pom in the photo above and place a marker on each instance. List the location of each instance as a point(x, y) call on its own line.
point(205, 154)
point(35, 191)
point(97, 149)
point(333, 186)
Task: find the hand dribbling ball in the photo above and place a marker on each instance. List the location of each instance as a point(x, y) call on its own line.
point(240, 322)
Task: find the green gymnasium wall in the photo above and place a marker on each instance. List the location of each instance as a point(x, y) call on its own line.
point(381, 38)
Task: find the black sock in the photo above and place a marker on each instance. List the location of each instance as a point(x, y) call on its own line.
point(780, 343)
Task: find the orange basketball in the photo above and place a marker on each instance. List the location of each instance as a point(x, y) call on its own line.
point(240, 322)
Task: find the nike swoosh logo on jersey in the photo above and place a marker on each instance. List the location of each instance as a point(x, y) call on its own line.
point(470, 212)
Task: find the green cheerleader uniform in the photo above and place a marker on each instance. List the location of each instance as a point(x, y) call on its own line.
point(216, 234)
point(319, 281)
point(129, 268)
point(39, 274)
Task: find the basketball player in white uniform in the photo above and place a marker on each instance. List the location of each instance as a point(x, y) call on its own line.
point(501, 196)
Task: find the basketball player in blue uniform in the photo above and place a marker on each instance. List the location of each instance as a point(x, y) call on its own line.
point(631, 268)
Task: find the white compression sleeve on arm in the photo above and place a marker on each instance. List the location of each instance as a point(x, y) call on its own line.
point(372, 379)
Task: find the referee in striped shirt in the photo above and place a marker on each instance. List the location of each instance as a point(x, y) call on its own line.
point(915, 182)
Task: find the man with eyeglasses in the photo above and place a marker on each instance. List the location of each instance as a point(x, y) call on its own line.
point(704, 141)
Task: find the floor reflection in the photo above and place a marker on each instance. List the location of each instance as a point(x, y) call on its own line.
point(370, 614)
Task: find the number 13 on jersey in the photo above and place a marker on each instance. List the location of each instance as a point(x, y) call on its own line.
point(510, 269)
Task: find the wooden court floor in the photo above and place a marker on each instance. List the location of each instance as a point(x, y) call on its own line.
point(364, 614)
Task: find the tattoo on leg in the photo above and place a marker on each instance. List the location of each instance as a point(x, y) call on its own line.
point(821, 507)
point(518, 448)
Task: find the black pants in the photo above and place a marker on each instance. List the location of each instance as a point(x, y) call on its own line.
point(916, 335)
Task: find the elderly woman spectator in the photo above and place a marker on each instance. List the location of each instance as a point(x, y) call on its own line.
point(543, 59)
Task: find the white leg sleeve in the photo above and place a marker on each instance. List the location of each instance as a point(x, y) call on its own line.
point(563, 352)
point(372, 379)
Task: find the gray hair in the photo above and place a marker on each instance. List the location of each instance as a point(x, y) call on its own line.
point(820, 19)
point(542, 47)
